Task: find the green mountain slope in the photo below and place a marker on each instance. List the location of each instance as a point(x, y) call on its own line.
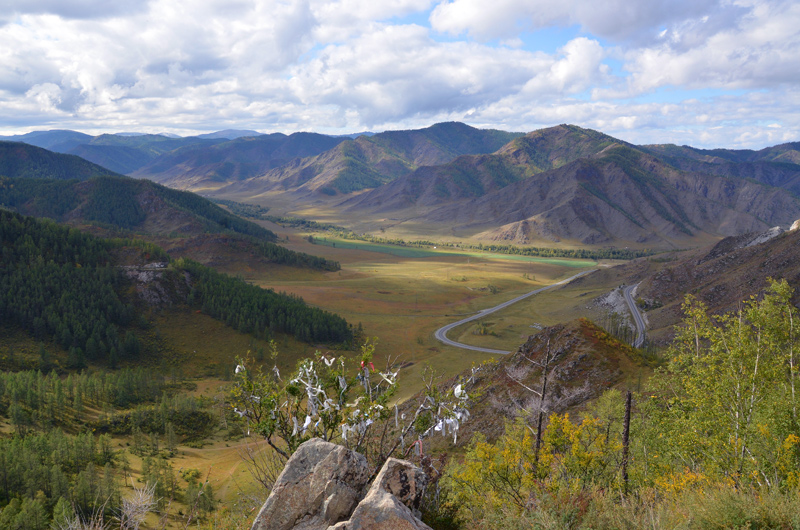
point(124, 203)
point(20, 160)
point(148, 209)
point(59, 283)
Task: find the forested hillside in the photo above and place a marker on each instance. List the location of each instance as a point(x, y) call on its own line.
point(119, 201)
point(59, 283)
point(18, 160)
point(47, 476)
point(34, 181)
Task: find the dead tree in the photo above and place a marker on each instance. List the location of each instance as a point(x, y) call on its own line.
point(542, 394)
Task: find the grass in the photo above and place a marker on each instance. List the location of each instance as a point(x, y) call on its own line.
point(395, 250)
point(413, 252)
point(401, 295)
point(204, 347)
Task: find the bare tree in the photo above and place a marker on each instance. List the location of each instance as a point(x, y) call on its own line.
point(135, 507)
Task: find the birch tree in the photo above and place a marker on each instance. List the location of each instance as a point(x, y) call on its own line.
point(725, 405)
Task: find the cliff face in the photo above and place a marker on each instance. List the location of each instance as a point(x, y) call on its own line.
point(326, 486)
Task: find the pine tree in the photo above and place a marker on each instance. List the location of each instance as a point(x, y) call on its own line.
point(172, 439)
point(63, 514)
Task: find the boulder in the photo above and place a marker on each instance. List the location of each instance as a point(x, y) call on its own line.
point(392, 502)
point(319, 486)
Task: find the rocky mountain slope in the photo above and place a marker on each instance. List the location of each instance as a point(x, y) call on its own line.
point(731, 271)
point(585, 361)
point(721, 275)
point(370, 161)
point(775, 166)
point(566, 183)
point(471, 176)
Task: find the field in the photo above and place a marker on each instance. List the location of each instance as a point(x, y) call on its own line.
point(401, 295)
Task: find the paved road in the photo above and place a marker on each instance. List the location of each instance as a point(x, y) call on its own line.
point(441, 333)
point(637, 317)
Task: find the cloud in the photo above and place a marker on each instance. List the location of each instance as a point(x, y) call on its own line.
point(615, 20)
point(347, 65)
point(75, 9)
point(576, 67)
point(760, 51)
point(396, 71)
point(731, 121)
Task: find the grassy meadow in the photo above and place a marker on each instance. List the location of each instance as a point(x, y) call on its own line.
point(401, 295)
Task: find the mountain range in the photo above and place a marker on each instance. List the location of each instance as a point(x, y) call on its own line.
point(560, 185)
point(68, 189)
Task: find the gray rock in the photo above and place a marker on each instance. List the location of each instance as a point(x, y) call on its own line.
point(319, 486)
point(396, 491)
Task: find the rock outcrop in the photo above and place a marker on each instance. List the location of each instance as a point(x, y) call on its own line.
point(392, 500)
point(320, 485)
point(323, 487)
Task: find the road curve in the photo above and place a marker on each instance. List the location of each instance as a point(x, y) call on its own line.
point(637, 317)
point(441, 333)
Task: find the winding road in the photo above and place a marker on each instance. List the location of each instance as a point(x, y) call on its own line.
point(441, 333)
point(637, 317)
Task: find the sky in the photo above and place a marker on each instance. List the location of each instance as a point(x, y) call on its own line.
point(706, 73)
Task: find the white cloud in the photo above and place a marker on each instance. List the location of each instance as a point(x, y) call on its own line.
point(74, 9)
point(347, 65)
point(577, 66)
point(610, 19)
point(741, 121)
point(760, 51)
point(394, 72)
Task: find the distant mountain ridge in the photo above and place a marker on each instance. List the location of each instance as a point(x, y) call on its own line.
point(776, 166)
point(563, 184)
point(20, 160)
point(568, 183)
point(229, 134)
point(371, 161)
point(200, 166)
point(60, 141)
